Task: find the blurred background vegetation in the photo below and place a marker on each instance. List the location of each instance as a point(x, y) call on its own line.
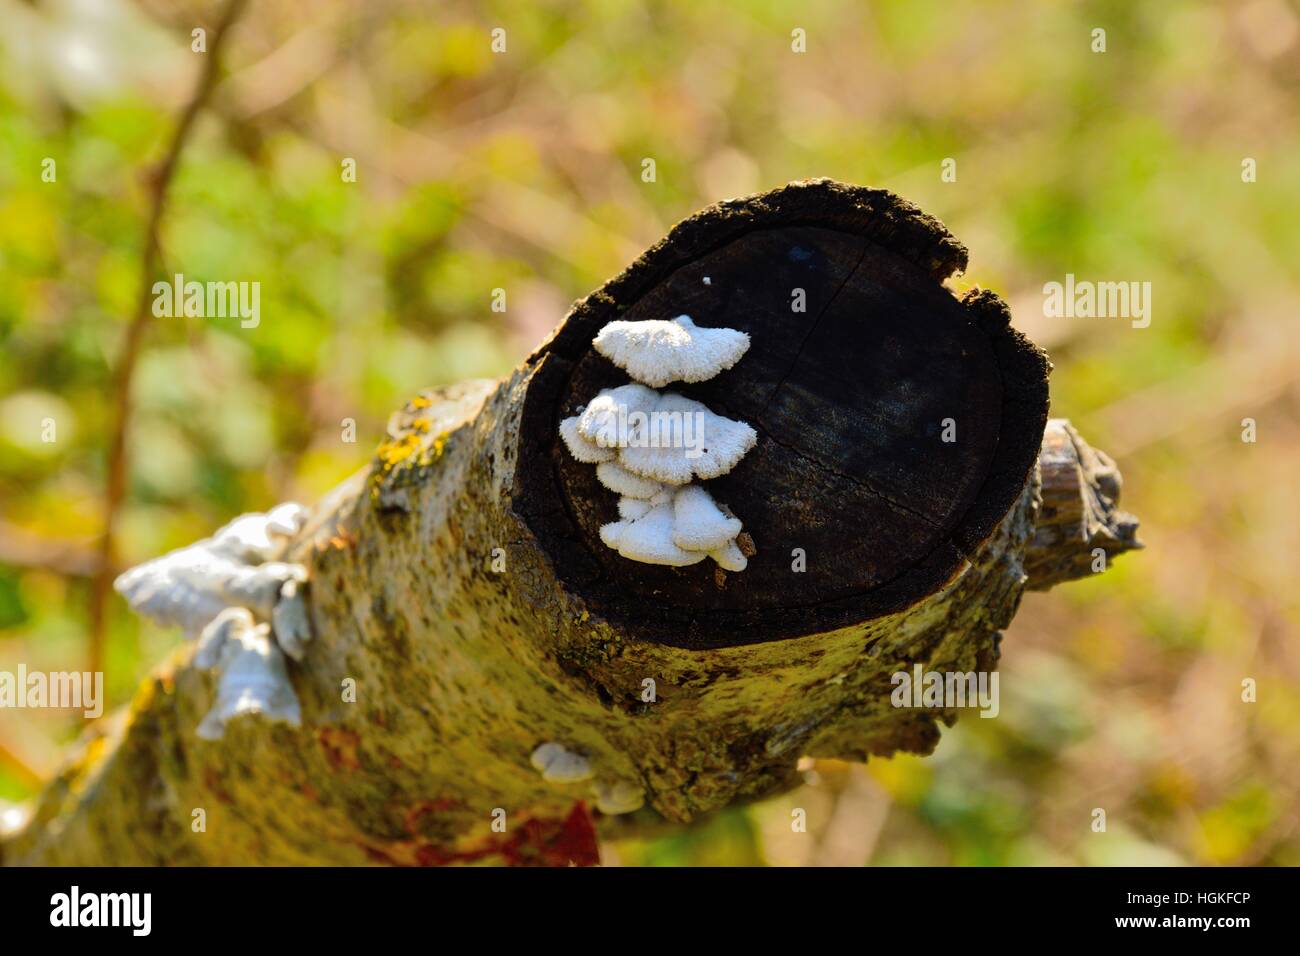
point(522, 171)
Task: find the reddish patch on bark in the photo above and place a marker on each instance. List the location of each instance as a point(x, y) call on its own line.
point(535, 842)
point(340, 747)
point(540, 843)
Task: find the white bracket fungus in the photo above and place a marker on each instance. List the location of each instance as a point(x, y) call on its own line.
point(617, 797)
point(617, 416)
point(667, 438)
point(628, 484)
point(687, 440)
point(251, 674)
point(649, 539)
point(729, 557)
point(647, 447)
point(561, 766)
point(587, 452)
point(237, 568)
point(658, 352)
point(629, 509)
point(678, 532)
point(558, 764)
point(698, 523)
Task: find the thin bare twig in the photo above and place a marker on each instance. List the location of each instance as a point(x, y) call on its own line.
point(159, 185)
point(21, 548)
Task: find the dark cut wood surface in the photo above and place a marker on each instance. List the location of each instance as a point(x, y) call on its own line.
point(849, 399)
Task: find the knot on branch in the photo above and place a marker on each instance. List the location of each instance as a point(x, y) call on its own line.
point(1080, 511)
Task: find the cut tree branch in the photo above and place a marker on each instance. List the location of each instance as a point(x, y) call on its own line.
point(465, 611)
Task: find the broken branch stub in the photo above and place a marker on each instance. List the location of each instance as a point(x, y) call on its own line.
point(1080, 525)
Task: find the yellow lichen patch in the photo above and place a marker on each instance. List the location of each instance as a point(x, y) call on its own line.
point(392, 453)
point(82, 771)
point(411, 444)
point(149, 688)
point(439, 443)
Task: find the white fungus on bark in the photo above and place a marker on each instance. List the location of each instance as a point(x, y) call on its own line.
point(617, 797)
point(258, 537)
point(648, 447)
point(667, 438)
point(561, 766)
point(238, 568)
point(289, 620)
point(628, 484)
point(251, 674)
point(692, 442)
point(698, 523)
point(629, 509)
point(558, 764)
point(664, 496)
point(649, 539)
point(587, 452)
point(615, 416)
point(657, 351)
point(679, 529)
point(729, 557)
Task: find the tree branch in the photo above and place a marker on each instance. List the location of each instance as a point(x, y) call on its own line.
point(465, 611)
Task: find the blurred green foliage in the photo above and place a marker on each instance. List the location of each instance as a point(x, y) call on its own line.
point(522, 171)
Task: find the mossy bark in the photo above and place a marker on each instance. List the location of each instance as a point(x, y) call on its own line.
point(447, 647)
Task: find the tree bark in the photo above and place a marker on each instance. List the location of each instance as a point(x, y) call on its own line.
point(459, 584)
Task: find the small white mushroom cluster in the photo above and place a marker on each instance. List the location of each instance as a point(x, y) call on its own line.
point(649, 446)
point(561, 766)
point(245, 606)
